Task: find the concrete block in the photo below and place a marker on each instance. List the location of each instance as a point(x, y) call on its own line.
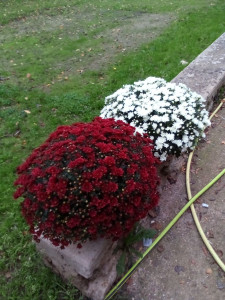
point(95, 287)
point(83, 261)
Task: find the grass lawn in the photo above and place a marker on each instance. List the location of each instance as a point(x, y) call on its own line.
point(59, 59)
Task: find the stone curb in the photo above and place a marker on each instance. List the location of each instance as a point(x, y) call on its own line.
point(206, 74)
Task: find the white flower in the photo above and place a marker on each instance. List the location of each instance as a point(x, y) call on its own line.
point(170, 136)
point(165, 111)
point(185, 139)
point(178, 143)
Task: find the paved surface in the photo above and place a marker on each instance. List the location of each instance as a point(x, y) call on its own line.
point(180, 267)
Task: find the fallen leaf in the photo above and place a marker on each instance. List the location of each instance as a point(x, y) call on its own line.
point(179, 269)
point(182, 282)
point(160, 248)
point(210, 234)
point(219, 252)
point(27, 111)
point(41, 124)
point(205, 251)
point(17, 133)
point(8, 275)
point(157, 226)
point(209, 271)
point(183, 62)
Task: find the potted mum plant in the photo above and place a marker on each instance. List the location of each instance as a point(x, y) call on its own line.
point(172, 115)
point(88, 180)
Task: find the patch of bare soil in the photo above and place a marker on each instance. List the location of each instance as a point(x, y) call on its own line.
point(129, 35)
point(180, 267)
point(130, 30)
point(94, 38)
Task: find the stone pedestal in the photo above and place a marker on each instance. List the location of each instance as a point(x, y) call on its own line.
point(92, 269)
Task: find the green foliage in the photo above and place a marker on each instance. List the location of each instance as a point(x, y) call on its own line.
point(129, 251)
point(71, 104)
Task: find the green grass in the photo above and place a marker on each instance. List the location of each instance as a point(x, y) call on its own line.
point(43, 86)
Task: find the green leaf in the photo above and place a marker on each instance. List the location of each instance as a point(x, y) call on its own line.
point(121, 265)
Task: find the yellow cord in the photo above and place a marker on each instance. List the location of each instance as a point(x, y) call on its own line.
point(195, 217)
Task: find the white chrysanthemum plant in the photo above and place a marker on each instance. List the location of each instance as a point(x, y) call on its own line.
point(172, 115)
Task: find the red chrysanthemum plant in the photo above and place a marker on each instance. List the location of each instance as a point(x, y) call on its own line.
point(88, 180)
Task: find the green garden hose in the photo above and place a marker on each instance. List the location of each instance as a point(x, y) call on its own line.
point(193, 211)
point(162, 234)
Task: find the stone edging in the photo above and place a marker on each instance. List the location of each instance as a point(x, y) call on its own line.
point(206, 74)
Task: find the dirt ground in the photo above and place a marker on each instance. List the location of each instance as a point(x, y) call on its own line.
point(110, 33)
point(180, 266)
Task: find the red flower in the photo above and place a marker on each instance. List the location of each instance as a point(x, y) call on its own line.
point(79, 246)
point(131, 184)
point(137, 201)
point(99, 172)
point(87, 149)
point(105, 148)
point(130, 210)
point(54, 202)
point(108, 161)
point(123, 155)
point(132, 169)
point(87, 187)
point(117, 171)
point(77, 162)
point(51, 217)
point(109, 187)
point(114, 201)
point(73, 222)
point(41, 195)
point(64, 208)
point(61, 188)
point(53, 170)
point(93, 213)
point(92, 230)
point(99, 203)
point(88, 180)
point(51, 186)
point(19, 192)
point(27, 203)
point(37, 172)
